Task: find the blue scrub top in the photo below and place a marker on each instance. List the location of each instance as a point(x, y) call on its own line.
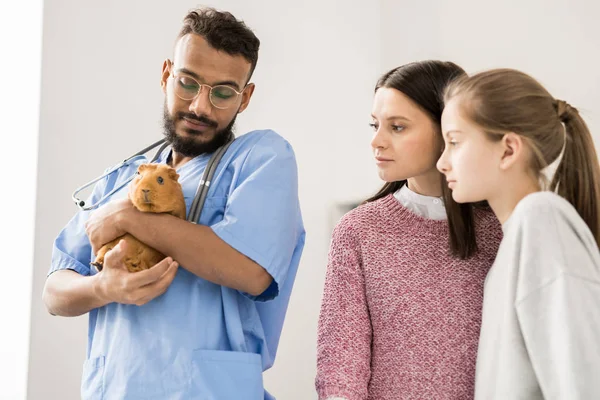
point(200, 340)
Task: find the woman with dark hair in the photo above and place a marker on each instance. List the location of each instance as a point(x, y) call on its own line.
point(403, 294)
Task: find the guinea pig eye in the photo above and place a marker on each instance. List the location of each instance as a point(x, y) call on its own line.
point(160, 180)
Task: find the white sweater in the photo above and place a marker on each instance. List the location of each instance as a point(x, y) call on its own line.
point(540, 335)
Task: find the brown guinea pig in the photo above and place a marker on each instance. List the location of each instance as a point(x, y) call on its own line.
point(154, 189)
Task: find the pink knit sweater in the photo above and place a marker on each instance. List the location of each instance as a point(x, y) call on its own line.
point(400, 316)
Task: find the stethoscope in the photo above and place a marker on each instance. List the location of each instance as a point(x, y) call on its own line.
point(201, 192)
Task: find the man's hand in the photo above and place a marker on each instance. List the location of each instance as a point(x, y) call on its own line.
point(116, 284)
point(105, 224)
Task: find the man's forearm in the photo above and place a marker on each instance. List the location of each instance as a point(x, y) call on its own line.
point(69, 294)
point(199, 250)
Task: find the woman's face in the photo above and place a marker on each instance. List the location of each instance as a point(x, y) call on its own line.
point(406, 142)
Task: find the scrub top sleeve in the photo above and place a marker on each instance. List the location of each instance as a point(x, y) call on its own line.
point(72, 249)
point(262, 213)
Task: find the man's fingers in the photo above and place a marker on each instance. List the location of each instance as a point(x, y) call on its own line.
point(171, 271)
point(147, 276)
point(159, 286)
point(114, 257)
point(166, 278)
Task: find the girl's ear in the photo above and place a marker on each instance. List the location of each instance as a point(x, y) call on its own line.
point(513, 148)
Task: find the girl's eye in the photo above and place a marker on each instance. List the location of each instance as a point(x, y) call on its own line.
point(373, 126)
point(397, 128)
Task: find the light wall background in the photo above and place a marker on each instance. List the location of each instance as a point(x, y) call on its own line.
point(319, 60)
point(20, 66)
point(558, 42)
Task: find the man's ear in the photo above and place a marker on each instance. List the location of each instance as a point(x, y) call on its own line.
point(246, 97)
point(512, 147)
point(166, 72)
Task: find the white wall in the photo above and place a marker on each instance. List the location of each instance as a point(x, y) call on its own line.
point(101, 101)
point(557, 42)
point(20, 69)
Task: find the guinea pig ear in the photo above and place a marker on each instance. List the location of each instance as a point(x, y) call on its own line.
point(142, 167)
point(173, 174)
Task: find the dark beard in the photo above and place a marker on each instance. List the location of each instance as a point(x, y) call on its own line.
point(189, 146)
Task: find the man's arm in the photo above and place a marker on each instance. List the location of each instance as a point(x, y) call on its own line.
point(70, 294)
point(197, 248)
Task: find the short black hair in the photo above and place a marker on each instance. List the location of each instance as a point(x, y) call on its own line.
point(223, 32)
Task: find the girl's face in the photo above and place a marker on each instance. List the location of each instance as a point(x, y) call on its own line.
point(406, 142)
point(470, 161)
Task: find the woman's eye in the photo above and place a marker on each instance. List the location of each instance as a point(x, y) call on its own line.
point(397, 128)
point(160, 180)
point(373, 126)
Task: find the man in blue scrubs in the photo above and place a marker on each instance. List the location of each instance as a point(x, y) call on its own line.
point(205, 322)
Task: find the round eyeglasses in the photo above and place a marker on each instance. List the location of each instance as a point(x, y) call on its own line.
point(220, 96)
